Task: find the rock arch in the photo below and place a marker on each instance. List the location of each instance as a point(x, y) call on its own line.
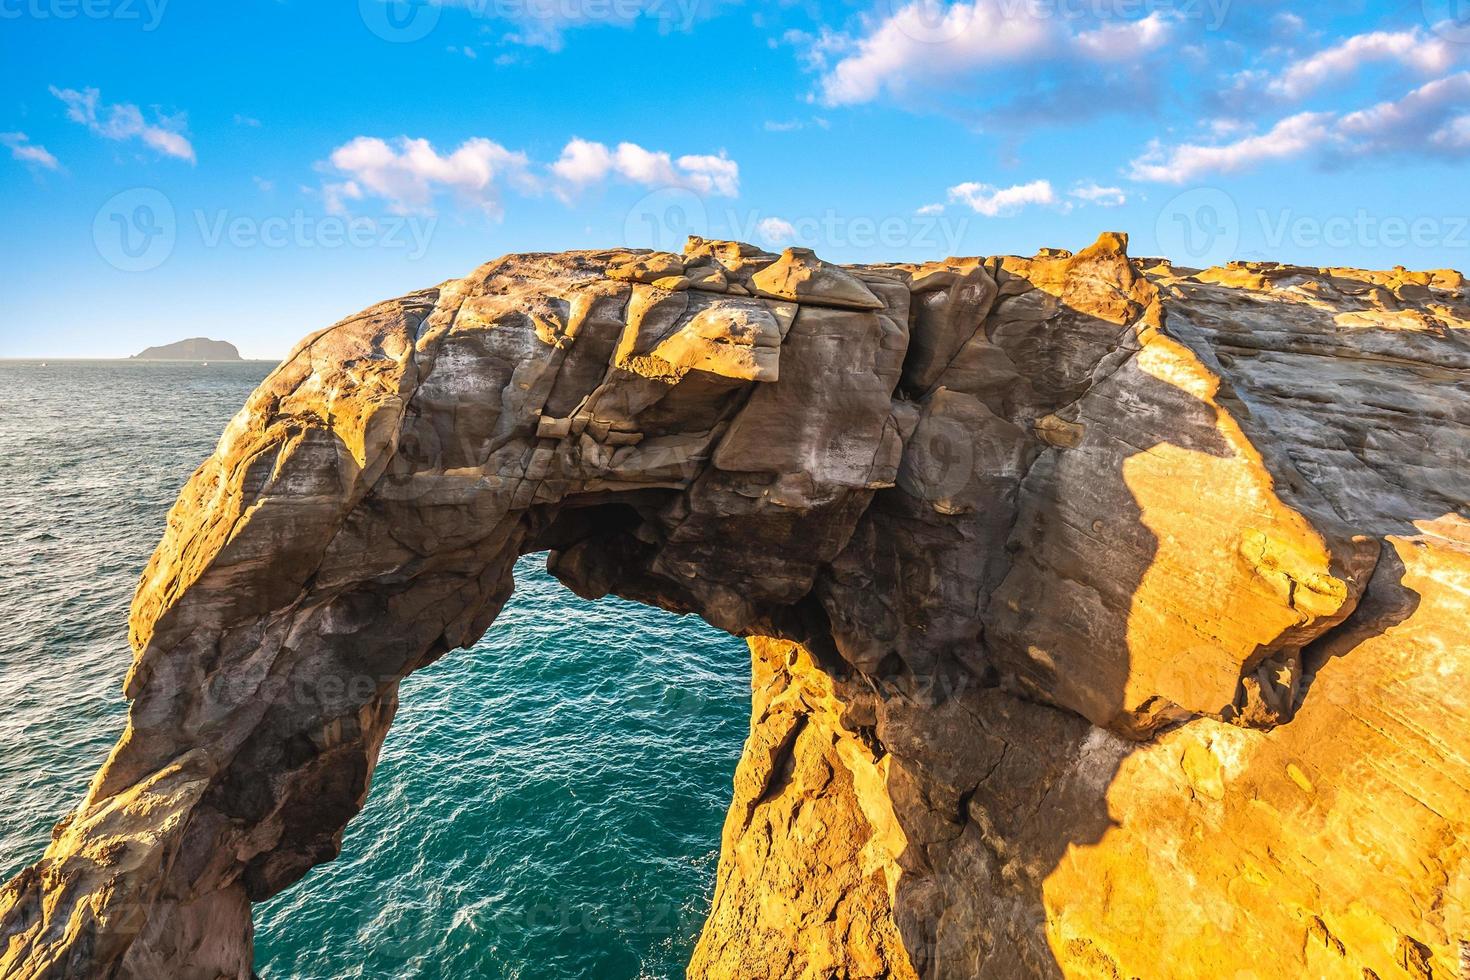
point(1029, 552)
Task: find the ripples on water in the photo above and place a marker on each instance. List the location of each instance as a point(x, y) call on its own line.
point(547, 804)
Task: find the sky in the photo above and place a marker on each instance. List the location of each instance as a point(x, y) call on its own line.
point(255, 170)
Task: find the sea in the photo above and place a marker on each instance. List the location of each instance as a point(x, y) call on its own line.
point(548, 804)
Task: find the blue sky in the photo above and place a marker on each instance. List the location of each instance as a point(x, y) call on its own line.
point(255, 170)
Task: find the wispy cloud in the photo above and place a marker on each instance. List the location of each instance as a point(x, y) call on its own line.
point(1124, 39)
point(795, 125)
point(1287, 24)
point(34, 154)
point(1428, 121)
point(544, 23)
point(1104, 197)
point(1423, 121)
point(1454, 135)
point(1289, 138)
point(1414, 49)
point(123, 121)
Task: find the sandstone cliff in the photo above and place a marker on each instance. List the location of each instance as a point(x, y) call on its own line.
point(1108, 620)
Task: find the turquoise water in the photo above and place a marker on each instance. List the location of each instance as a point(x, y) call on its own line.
point(547, 804)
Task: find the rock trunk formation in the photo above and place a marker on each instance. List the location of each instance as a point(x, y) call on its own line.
point(1108, 619)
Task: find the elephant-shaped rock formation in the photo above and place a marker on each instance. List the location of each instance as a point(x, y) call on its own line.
point(1108, 619)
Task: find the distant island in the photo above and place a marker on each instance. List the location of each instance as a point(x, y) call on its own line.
point(195, 349)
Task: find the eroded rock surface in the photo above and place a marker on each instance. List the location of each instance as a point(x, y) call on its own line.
point(1107, 619)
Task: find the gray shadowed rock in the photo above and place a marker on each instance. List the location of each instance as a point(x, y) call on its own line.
point(1107, 618)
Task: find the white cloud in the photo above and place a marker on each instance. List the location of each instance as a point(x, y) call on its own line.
point(929, 209)
point(22, 149)
point(335, 196)
point(1289, 24)
point(776, 230)
point(123, 121)
point(583, 163)
point(1222, 126)
point(1125, 39)
point(1179, 164)
point(793, 125)
point(997, 201)
point(929, 41)
point(1413, 49)
point(1414, 121)
point(544, 23)
point(707, 174)
point(1430, 120)
point(1454, 135)
point(648, 167)
point(410, 173)
point(1094, 193)
point(926, 39)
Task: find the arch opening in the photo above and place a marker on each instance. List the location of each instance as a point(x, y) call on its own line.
point(549, 802)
